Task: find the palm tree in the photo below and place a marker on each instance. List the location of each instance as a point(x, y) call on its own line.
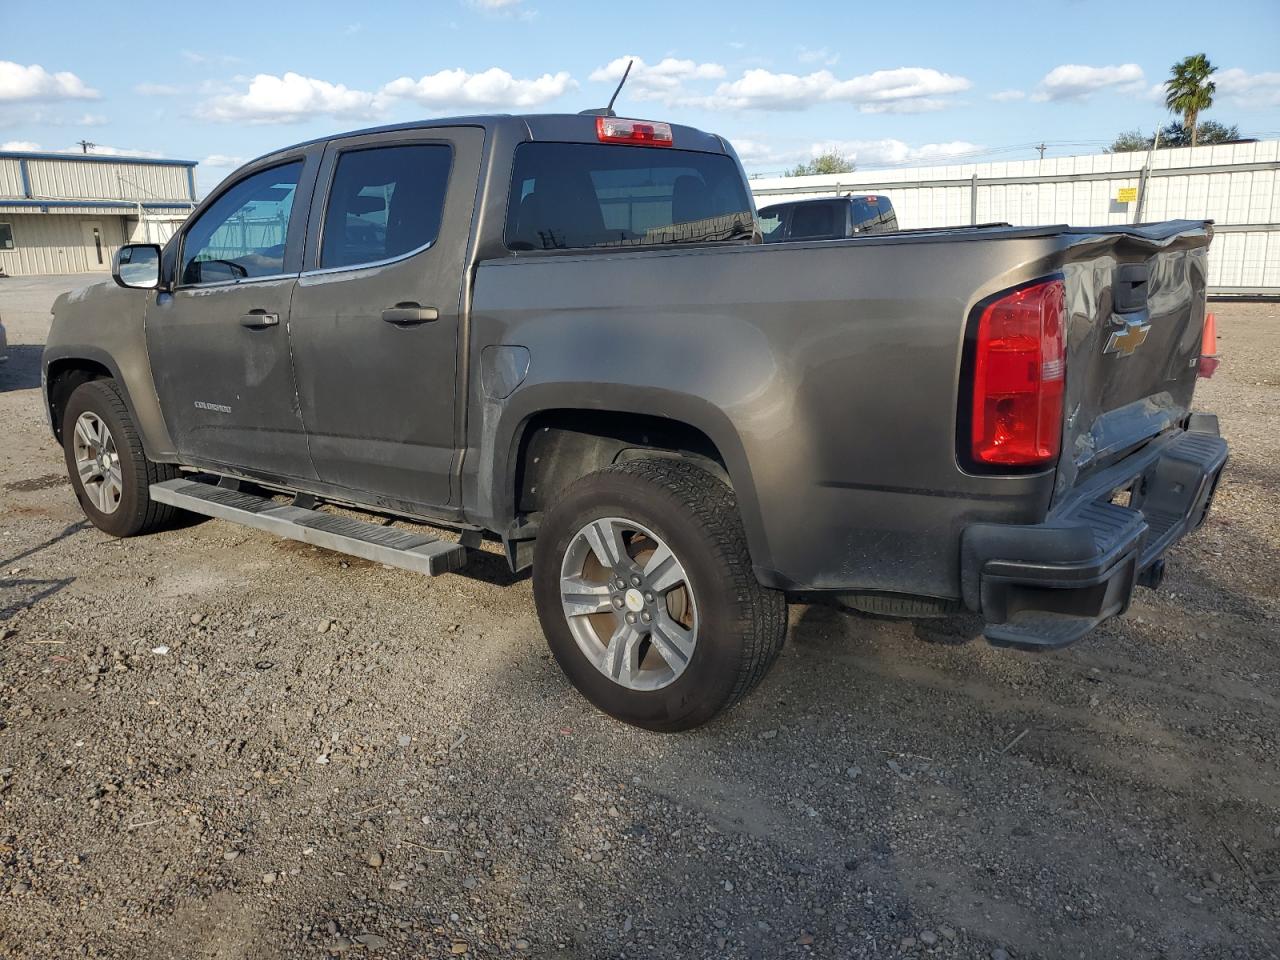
point(1189, 90)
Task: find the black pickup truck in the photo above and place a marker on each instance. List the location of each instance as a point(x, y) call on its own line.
point(827, 218)
point(563, 333)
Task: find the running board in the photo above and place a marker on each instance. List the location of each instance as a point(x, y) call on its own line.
point(394, 547)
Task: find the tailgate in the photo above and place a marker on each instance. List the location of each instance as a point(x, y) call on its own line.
point(1135, 302)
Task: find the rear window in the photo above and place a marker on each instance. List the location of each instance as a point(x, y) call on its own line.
point(573, 195)
point(866, 212)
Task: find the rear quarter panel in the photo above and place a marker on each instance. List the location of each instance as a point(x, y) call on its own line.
point(826, 374)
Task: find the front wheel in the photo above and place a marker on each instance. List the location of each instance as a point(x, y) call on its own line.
point(645, 592)
point(109, 471)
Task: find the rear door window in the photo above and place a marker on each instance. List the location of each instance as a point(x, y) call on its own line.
point(815, 221)
point(575, 195)
point(385, 202)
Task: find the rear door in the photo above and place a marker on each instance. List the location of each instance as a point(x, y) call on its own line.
point(817, 221)
point(218, 343)
point(376, 315)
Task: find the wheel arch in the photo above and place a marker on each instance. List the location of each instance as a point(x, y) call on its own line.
point(617, 423)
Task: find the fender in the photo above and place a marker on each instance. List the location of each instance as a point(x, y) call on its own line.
point(112, 335)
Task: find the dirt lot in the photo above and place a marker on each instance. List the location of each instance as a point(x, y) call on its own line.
point(214, 744)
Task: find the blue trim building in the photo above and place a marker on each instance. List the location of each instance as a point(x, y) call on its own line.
point(69, 212)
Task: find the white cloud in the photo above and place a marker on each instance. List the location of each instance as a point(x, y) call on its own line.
point(902, 90)
point(504, 8)
point(222, 160)
point(762, 154)
point(1073, 81)
point(1004, 96)
point(492, 88)
point(205, 59)
point(874, 153)
point(34, 82)
point(103, 150)
point(821, 55)
point(289, 99)
point(663, 80)
point(21, 146)
point(1250, 89)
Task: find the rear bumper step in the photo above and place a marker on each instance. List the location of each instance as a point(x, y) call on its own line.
point(397, 548)
point(1043, 586)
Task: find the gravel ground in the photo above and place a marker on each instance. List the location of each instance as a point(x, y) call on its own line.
point(215, 744)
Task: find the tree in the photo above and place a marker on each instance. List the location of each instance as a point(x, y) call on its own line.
point(1175, 135)
point(1209, 132)
point(1189, 90)
point(1131, 141)
point(830, 162)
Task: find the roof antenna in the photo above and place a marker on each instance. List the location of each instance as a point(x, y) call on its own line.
point(608, 111)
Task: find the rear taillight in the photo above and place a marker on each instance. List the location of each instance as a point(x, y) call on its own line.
point(1019, 371)
point(645, 133)
point(1209, 347)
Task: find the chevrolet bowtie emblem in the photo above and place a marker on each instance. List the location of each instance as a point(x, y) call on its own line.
point(1131, 335)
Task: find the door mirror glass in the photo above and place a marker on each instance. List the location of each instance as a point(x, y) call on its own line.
point(137, 265)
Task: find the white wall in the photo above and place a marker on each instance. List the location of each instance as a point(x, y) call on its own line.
point(1235, 185)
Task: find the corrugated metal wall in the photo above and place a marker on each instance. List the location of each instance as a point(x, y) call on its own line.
point(51, 243)
point(72, 180)
point(1236, 185)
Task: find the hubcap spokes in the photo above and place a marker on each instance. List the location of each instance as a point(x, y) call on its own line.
point(97, 463)
point(629, 603)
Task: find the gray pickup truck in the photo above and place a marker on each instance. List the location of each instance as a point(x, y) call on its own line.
point(564, 334)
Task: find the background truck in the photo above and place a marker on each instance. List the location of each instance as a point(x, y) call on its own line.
point(562, 332)
point(827, 218)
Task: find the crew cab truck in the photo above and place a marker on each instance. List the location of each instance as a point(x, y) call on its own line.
point(562, 332)
point(827, 218)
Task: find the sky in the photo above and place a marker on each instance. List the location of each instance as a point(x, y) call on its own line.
point(897, 84)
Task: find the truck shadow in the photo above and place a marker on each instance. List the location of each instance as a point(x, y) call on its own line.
point(22, 370)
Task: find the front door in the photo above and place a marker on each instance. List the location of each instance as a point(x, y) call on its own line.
point(95, 246)
point(219, 342)
point(375, 320)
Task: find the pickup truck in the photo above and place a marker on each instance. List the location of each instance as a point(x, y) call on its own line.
point(827, 218)
point(561, 333)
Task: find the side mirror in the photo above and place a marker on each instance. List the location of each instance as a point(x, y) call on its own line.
point(137, 265)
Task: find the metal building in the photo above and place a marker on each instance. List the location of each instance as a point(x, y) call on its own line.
point(68, 213)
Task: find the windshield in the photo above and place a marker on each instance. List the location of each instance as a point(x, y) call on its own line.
point(573, 195)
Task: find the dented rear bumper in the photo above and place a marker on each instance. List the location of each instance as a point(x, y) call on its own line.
point(1045, 585)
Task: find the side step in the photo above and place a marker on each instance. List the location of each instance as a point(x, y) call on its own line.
point(397, 548)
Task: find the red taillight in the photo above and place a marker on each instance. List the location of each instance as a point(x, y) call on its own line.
point(1019, 370)
point(647, 133)
point(1209, 347)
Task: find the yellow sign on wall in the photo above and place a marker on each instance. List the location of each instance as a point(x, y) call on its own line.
point(1127, 195)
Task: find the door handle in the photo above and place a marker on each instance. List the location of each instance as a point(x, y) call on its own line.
point(410, 313)
point(257, 319)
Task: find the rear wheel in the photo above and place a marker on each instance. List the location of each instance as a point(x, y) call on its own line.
point(111, 475)
point(646, 595)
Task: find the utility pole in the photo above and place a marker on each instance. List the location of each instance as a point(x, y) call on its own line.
point(85, 145)
point(1041, 148)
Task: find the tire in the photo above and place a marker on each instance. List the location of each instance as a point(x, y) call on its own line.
point(128, 509)
point(738, 626)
